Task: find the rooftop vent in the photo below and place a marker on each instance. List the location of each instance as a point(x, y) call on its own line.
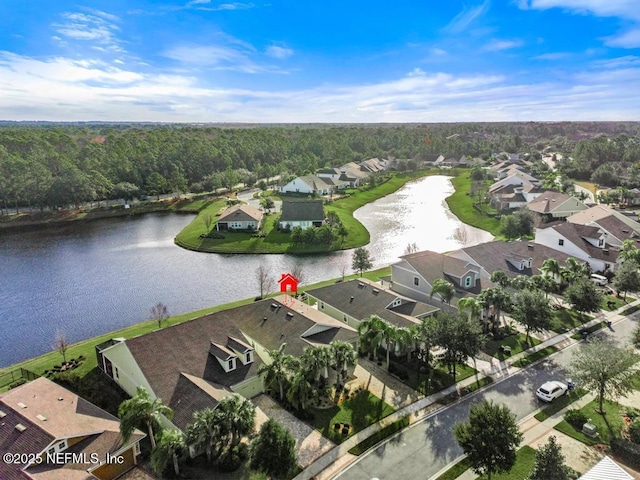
point(41, 417)
point(530, 246)
point(351, 299)
point(22, 405)
point(605, 251)
point(60, 399)
point(375, 291)
point(20, 427)
point(289, 315)
point(274, 306)
point(361, 285)
point(625, 231)
point(2, 414)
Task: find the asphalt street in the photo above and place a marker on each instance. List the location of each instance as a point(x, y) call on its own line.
point(428, 446)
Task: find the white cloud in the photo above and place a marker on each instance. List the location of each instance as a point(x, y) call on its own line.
point(60, 88)
point(97, 27)
point(466, 17)
point(552, 56)
point(497, 45)
point(628, 39)
point(601, 8)
point(279, 52)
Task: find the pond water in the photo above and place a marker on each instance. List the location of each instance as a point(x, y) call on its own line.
point(90, 278)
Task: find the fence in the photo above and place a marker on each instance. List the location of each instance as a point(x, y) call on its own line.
point(15, 375)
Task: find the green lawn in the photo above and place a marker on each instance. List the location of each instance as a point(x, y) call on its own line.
point(461, 204)
point(559, 403)
point(277, 242)
point(532, 357)
point(566, 319)
point(615, 302)
point(379, 436)
point(609, 425)
point(516, 342)
point(525, 460)
point(359, 412)
point(591, 329)
point(631, 310)
point(439, 377)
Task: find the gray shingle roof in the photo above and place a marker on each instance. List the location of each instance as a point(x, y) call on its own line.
point(309, 210)
point(360, 300)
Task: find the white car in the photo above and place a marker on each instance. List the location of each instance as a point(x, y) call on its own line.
point(549, 391)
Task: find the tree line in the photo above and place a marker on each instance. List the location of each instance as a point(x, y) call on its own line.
point(67, 165)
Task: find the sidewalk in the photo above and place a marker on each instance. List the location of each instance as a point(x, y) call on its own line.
point(336, 459)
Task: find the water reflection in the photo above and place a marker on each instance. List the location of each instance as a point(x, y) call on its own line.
point(92, 278)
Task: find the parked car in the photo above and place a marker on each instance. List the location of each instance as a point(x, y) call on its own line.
point(549, 391)
point(599, 279)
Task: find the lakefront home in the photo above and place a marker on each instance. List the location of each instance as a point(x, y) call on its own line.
point(61, 436)
point(193, 365)
point(240, 217)
point(304, 214)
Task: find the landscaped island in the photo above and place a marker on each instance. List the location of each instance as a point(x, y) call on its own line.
point(272, 240)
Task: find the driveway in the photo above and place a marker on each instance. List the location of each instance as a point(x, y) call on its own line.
point(247, 197)
point(428, 446)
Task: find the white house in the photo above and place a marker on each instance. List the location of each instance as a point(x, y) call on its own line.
point(307, 184)
point(585, 243)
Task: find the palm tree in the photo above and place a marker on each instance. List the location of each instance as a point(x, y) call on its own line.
point(237, 418)
point(497, 298)
point(403, 338)
point(629, 251)
point(470, 305)
point(344, 356)
point(445, 290)
point(521, 282)
point(573, 270)
point(142, 410)
point(277, 372)
point(552, 268)
point(300, 392)
point(370, 332)
point(204, 432)
point(389, 335)
point(500, 277)
point(426, 334)
point(171, 446)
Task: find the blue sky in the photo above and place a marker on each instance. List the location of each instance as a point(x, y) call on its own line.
point(325, 61)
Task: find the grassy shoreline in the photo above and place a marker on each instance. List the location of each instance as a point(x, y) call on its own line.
point(277, 242)
point(86, 347)
point(461, 205)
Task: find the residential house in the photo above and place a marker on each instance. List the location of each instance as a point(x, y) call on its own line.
point(585, 243)
point(354, 174)
point(358, 299)
point(240, 217)
point(552, 205)
point(373, 165)
point(307, 184)
point(517, 178)
point(511, 197)
point(334, 177)
point(193, 365)
point(432, 159)
point(518, 257)
point(617, 226)
point(414, 274)
point(60, 435)
point(305, 214)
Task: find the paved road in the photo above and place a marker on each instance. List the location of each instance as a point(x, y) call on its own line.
point(427, 447)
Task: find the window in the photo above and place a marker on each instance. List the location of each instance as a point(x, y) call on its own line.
point(248, 358)
point(416, 281)
point(322, 305)
point(561, 241)
point(231, 365)
point(344, 317)
point(62, 445)
point(601, 242)
point(115, 372)
point(467, 282)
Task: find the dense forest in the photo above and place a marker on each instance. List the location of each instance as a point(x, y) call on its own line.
point(68, 164)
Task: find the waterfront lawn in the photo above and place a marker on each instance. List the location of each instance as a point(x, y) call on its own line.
point(86, 348)
point(461, 205)
point(609, 425)
point(278, 242)
point(516, 342)
point(359, 411)
point(565, 319)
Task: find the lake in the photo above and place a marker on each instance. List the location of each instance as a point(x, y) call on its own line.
point(90, 278)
